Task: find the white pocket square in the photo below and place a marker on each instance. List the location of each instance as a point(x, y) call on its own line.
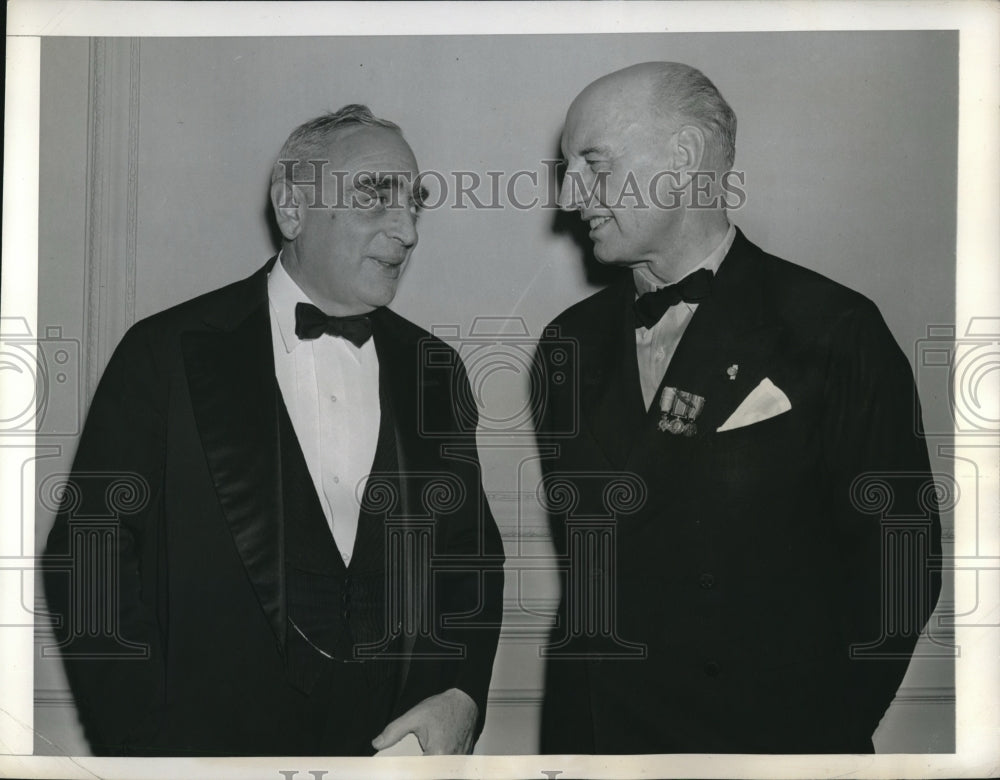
point(766, 401)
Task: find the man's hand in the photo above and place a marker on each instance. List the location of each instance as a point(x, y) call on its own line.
point(443, 724)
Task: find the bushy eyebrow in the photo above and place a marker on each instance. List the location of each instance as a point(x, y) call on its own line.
point(387, 181)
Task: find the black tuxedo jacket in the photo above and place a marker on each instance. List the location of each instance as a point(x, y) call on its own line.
point(767, 583)
point(184, 655)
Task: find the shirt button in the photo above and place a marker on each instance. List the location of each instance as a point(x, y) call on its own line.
point(706, 581)
point(333, 398)
point(712, 669)
point(336, 480)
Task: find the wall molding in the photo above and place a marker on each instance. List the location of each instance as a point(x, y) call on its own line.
point(111, 220)
point(514, 697)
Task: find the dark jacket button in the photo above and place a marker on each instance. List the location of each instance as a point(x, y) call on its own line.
point(706, 581)
point(712, 669)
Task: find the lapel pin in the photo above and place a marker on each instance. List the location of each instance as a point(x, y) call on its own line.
point(732, 371)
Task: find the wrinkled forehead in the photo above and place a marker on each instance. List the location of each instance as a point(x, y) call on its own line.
point(378, 150)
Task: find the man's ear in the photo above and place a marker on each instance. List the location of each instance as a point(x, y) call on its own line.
point(689, 149)
point(289, 208)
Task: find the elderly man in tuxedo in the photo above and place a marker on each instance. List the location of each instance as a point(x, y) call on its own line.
point(730, 410)
point(296, 479)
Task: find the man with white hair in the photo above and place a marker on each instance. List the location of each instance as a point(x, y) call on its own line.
point(746, 598)
point(296, 477)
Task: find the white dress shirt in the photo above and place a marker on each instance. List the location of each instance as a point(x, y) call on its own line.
point(330, 388)
point(655, 347)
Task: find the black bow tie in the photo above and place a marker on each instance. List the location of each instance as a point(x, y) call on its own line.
point(651, 306)
point(311, 323)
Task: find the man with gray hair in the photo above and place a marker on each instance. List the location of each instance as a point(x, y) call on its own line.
point(732, 415)
point(297, 477)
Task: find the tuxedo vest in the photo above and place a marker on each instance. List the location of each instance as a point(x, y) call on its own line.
point(338, 613)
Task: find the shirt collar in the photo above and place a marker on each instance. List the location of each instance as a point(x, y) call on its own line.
point(645, 281)
point(283, 293)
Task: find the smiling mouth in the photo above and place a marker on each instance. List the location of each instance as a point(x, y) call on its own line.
point(391, 267)
point(597, 222)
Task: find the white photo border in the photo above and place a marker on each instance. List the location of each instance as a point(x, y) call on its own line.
point(978, 247)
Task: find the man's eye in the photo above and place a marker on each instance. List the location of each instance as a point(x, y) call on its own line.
point(364, 197)
point(419, 198)
point(388, 197)
point(369, 199)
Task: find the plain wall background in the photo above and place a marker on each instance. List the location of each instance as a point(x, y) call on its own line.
point(847, 140)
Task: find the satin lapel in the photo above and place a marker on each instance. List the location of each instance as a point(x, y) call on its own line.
point(398, 370)
point(611, 395)
point(230, 373)
point(729, 334)
point(398, 377)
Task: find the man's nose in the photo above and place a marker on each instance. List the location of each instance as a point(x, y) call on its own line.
point(403, 227)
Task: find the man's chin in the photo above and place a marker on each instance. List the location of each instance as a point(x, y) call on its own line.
point(380, 297)
point(608, 258)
